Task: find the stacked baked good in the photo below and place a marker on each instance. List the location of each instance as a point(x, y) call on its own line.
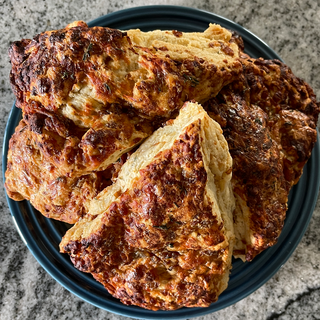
point(161, 190)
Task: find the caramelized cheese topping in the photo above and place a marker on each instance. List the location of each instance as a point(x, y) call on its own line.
point(30, 176)
point(79, 68)
point(161, 245)
point(269, 119)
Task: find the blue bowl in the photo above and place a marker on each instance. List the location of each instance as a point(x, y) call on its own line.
point(42, 236)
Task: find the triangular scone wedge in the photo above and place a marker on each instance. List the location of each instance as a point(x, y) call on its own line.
point(31, 176)
point(162, 236)
point(80, 72)
point(269, 119)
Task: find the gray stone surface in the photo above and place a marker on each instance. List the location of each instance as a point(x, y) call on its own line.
point(291, 28)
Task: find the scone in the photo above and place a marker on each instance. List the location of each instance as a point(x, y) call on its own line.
point(161, 237)
point(78, 150)
point(30, 176)
point(269, 119)
point(79, 68)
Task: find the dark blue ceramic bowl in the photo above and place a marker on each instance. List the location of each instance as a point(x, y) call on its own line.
point(42, 236)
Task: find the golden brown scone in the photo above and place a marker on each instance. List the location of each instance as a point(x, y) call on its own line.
point(30, 176)
point(269, 119)
point(161, 237)
point(79, 150)
point(292, 110)
point(79, 68)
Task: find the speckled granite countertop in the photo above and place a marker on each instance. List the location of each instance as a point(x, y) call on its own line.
point(292, 29)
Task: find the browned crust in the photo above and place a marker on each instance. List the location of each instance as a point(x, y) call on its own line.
point(49, 70)
point(79, 151)
point(145, 254)
point(46, 68)
point(269, 119)
point(30, 176)
point(257, 174)
point(292, 110)
point(69, 53)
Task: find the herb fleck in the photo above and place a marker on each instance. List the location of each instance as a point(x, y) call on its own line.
point(257, 120)
point(65, 75)
point(183, 190)
point(164, 227)
point(107, 87)
point(86, 55)
point(194, 81)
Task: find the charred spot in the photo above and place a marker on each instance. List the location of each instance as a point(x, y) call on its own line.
point(72, 246)
point(36, 38)
point(75, 34)
point(176, 33)
point(106, 35)
point(312, 108)
point(143, 85)
point(43, 85)
point(237, 39)
point(80, 264)
point(57, 36)
point(34, 91)
point(164, 48)
point(226, 49)
point(17, 52)
point(35, 121)
point(96, 137)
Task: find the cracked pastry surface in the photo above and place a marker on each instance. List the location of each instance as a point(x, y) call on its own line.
point(269, 119)
point(162, 237)
point(30, 176)
point(77, 150)
point(77, 68)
